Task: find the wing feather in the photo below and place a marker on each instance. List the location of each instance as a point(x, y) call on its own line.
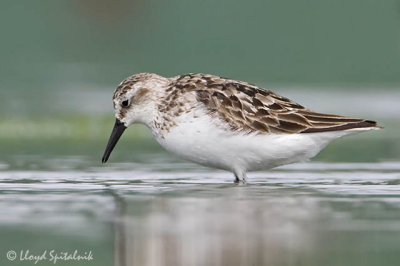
point(248, 108)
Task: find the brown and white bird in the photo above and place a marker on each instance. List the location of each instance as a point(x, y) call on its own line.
point(224, 123)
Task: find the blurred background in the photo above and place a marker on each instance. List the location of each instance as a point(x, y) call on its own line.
point(62, 60)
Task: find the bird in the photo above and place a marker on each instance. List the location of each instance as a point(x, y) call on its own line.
point(224, 123)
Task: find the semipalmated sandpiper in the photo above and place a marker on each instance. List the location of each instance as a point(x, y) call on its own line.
point(224, 123)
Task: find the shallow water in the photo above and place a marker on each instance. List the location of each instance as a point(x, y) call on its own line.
point(60, 65)
point(161, 211)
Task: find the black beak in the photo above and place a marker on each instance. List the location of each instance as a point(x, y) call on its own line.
point(116, 133)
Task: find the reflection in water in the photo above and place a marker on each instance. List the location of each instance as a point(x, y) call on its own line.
point(236, 227)
point(306, 214)
point(256, 225)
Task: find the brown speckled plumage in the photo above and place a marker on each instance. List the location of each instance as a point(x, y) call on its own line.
point(240, 105)
point(248, 108)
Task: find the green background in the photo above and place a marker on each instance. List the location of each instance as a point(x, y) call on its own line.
point(60, 61)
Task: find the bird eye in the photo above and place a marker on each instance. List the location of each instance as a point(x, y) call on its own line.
point(125, 103)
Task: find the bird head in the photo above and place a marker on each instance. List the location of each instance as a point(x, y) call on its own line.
point(135, 101)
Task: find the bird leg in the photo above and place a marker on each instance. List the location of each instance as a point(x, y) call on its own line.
point(240, 177)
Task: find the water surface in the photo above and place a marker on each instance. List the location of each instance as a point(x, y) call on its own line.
point(163, 211)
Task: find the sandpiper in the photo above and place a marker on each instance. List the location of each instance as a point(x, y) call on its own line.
point(224, 123)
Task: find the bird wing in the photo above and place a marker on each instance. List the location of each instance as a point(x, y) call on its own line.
point(248, 108)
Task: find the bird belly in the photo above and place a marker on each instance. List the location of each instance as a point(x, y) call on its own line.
point(200, 140)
